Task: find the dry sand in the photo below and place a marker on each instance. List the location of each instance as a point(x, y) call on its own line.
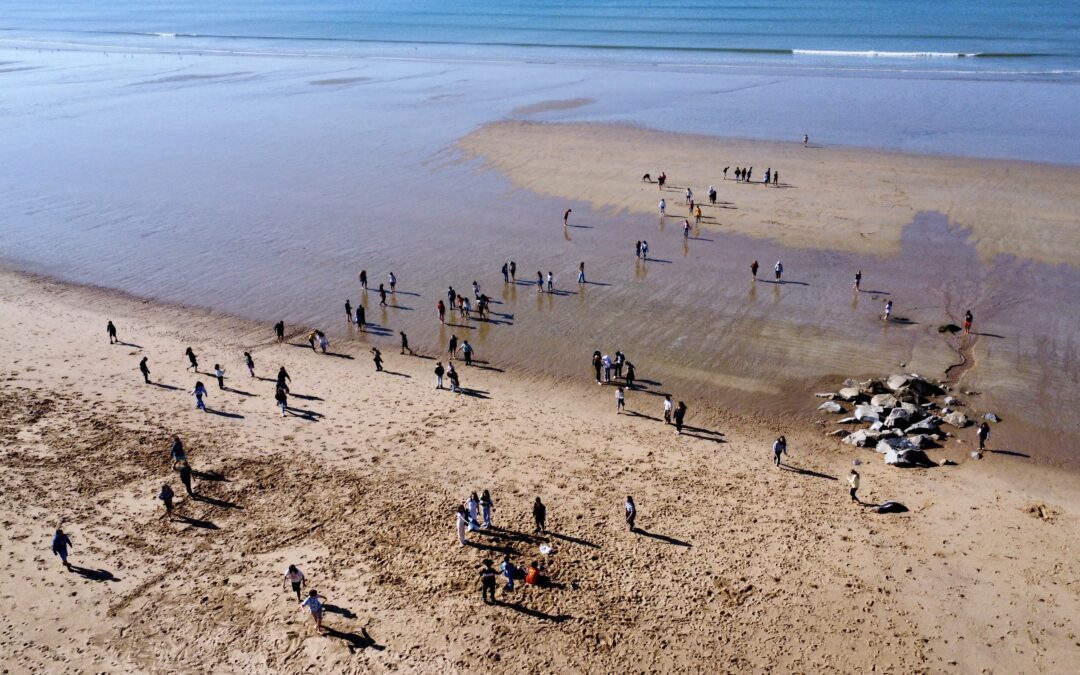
point(829, 198)
point(748, 568)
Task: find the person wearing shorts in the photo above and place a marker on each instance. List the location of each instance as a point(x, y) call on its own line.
point(314, 604)
point(295, 577)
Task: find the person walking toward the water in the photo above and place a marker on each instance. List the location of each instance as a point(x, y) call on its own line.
point(597, 364)
point(295, 577)
point(566, 217)
point(363, 279)
point(620, 400)
point(550, 282)
point(439, 372)
point(637, 249)
point(185, 479)
point(754, 269)
point(110, 329)
point(858, 280)
point(467, 351)
point(361, 319)
point(967, 321)
point(667, 408)
point(283, 378)
point(779, 447)
point(539, 515)
point(805, 141)
point(377, 358)
point(779, 269)
point(631, 512)
point(250, 363)
point(219, 373)
point(282, 397)
point(382, 296)
point(680, 415)
point(685, 229)
point(314, 604)
point(192, 361)
point(539, 282)
point(581, 273)
point(853, 481)
point(451, 349)
point(462, 522)
point(487, 580)
point(176, 452)
point(888, 311)
point(405, 344)
point(663, 208)
point(145, 370)
point(60, 544)
point(486, 507)
point(166, 496)
point(644, 250)
point(279, 331)
point(441, 308)
point(983, 434)
point(199, 392)
point(513, 271)
point(506, 273)
point(348, 310)
point(473, 504)
point(392, 280)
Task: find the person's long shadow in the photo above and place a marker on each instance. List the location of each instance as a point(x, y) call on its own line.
point(339, 355)
point(209, 475)
point(195, 522)
point(475, 393)
point(572, 540)
point(534, 613)
point(393, 372)
point(659, 260)
point(702, 430)
point(403, 307)
point(633, 413)
point(559, 292)
point(376, 329)
point(354, 641)
point(305, 397)
point(461, 325)
point(334, 609)
point(806, 472)
point(93, 575)
point(129, 344)
point(222, 413)
point(234, 390)
point(309, 415)
point(703, 437)
point(875, 292)
point(601, 283)
point(699, 239)
point(513, 535)
point(1012, 453)
point(1000, 337)
point(581, 227)
point(415, 295)
point(784, 282)
point(213, 501)
point(482, 365)
point(165, 386)
point(662, 537)
point(505, 549)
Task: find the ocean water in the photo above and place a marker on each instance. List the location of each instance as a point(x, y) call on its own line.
point(1007, 39)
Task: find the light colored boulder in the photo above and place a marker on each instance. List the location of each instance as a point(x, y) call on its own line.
point(831, 407)
point(926, 426)
point(884, 401)
point(898, 417)
point(898, 444)
point(849, 393)
point(867, 413)
point(912, 457)
point(956, 419)
point(825, 394)
point(842, 433)
point(991, 417)
point(897, 382)
point(863, 438)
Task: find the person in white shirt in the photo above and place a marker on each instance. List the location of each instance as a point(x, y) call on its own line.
point(314, 604)
point(663, 208)
point(620, 400)
point(667, 409)
point(295, 577)
point(779, 269)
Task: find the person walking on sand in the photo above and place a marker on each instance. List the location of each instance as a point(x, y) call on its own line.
point(581, 273)
point(283, 378)
point(749, 173)
point(967, 321)
point(279, 331)
point(550, 282)
point(314, 604)
point(631, 512)
point(166, 496)
point(697, 213)
point(199, 392)
point(467, 351)
point(455, 382)
point(853, 481)
point(361, 319)
point(888, 311)
point(348, 310)
point(667, 408)
point(441, 309)
point(110, 329)
point(779, 447)
point(392, 280)
point(60, 544)
point(462, 524)
point(250, 363)
point(324, 343)
point(377, 358)
point(539, 515)
point(597, 364)
point(725, 171)
point(566, 217)
point(663, 208)
point(192, 361)
point(145, 370)
point(439, 372)
point(661, 180)
point(487, 579)
point(176, 452)
point(486, 507)
point(473, 504)
point(629, 376)
point(363, 279)
point(983, 434)
point(620, 400)
point(778, 268)
point(295, 577)
point(509, 571)
point(282, 397)
point(768, 174)
point(405, 344)
point(754, 269)
point(606, 360)
point(776, 178)
point(185, 479)
point(311, 337)
point(219, 373)
point(506, 273)
point(858, 281)
point(680, 415)
point(451, 349)
point(382, 296)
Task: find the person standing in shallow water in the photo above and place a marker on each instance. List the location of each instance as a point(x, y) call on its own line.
point(581, 273)
point(363, 279)
point(754, 269)
point(451, 349)
point(597, 363)
point(888, 311)
point(348, 310)
point(111, 330)
point(566, 217)
point(382, 296)
point(361, 320)
point(405, 344)
point(377, 359)
point(858, 280)
point(967, 321)
point(779, 269)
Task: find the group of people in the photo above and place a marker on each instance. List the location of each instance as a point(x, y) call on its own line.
point(746, 175)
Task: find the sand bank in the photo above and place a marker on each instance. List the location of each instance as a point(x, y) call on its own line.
point(744, 567)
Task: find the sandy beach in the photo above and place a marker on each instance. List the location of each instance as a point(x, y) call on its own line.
point(740, 566)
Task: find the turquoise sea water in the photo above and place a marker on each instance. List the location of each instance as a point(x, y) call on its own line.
point(1008, 39)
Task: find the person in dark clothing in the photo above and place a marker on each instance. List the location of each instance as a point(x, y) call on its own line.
point(185, 478)
point(363, 279)
point(377, 359)
point(283, 379)
point(597, 364)
point(60, 544)
point(539, 515)
point(166, 496)
point(513, 271)
point(631, 512)
point(382, 296)
point(487, 582)
point(145, 370)
point(191, 357)
point(439, 372)
point(111, 330)
point(281, 395)
point(361, 321)
point(506, 273)
point(451, 349)
point(983, 433)
point(405, 344)
point(754, 269)
point(629, 375)
point(279, 331)
point(348, 310)
point(680, 414)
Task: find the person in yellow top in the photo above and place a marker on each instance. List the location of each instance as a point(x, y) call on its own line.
point(853, 480)
point(697, 214)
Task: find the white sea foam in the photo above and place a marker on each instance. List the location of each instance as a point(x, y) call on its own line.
point(882, 55)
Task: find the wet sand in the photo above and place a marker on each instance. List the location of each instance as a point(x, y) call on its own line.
point(740, 566)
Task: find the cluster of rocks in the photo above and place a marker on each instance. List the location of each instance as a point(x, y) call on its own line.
point(905, 414)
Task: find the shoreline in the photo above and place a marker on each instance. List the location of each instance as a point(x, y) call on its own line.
point(359, 496)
